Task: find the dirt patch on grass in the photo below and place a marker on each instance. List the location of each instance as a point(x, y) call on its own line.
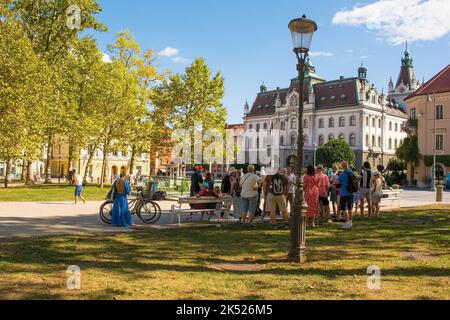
point(424, 256)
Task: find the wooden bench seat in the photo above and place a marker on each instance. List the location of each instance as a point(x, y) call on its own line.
point(223, 205)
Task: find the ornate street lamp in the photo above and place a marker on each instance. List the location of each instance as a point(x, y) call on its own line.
point(302, 31)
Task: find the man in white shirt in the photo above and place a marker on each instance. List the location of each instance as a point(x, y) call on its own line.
point(78, 182)
point(250, 183)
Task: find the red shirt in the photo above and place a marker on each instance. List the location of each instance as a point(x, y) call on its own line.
point(323, 183)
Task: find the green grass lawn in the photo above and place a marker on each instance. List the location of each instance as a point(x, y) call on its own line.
point(40, 193)
point(410, 247)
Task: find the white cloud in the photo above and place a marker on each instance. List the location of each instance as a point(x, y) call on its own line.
point(400, 21)
point(321, 54)
point(106, 58)
point(169, 52)
point(181, 60)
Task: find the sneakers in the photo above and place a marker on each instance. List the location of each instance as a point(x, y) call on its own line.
point(348, 225)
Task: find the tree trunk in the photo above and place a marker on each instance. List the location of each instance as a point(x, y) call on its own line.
point(24, 170)
point(70, 158)
point(29, 179)
point(104, 164)
point(48, 161)
point(8, 172)
point(88, 164)
point(132, 160)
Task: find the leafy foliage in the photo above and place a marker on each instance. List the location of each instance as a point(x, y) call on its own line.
point(334, 152)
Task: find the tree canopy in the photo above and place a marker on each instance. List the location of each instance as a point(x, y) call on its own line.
point(336, 151)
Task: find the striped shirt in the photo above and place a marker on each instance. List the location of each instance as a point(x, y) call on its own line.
point(366, 179)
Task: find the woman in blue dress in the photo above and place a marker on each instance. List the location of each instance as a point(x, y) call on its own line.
point(121, 215)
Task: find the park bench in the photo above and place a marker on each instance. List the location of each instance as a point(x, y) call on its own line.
point(392, 195)
point(223, 205)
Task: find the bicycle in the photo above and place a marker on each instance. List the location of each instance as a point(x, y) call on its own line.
point(148, 211)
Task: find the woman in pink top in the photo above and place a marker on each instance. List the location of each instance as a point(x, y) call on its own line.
point(311, 192)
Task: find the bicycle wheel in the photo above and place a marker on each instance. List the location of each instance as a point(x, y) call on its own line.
point(106, 212)
point(149, 212)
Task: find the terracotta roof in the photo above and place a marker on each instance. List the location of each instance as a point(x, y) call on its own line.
point(439, 83)
point(336, 94)
point(234, 126)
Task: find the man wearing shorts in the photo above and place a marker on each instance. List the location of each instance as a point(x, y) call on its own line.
point(365, 188)
point(78, 182)
point(346, 204)
point(323, 183)
point(277, 188)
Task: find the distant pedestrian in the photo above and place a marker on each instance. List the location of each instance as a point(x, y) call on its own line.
point(377, 195)
point(78, 183)
point(323, 183)
point(121, 215)
point(311, 190)
point(334, 190)
point(292, 188)
point(365, 191)
point(236, 194)
point(347, 181)
point(250, 183)
point(197, 181)
point(277, 187)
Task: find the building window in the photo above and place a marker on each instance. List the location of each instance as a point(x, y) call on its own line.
point(282, 141)
point(396, 144)
point(283, 125)
point(258, 127)
point(390, 126)
point(439, 142)
point(321, 140)
point(380, 123)
point(396, 127)
point(439, 112)
point(379, 142)
point(373, 141)
point(353, 140)
point(294, 101)
point(265, 126)
point(341, 136)
point(321, 124)
point(373, 122)
point(293, 140)
point(294, 124)
point(331, 123)
point(352, 121)
point(330, 137)
point(367, 140)
point(390, 144)
point(341, 122)
point(367, 121)
point(250, 127)
point(305, 124)
point(305, 139)
point(412, 114)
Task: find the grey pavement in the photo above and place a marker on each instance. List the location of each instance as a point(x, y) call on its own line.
point(24, 219)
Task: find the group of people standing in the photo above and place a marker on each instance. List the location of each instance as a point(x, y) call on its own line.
point(340, 191)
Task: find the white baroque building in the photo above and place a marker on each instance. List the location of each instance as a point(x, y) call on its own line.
point(348, 108)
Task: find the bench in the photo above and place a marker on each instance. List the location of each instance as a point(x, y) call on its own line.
point(223, 205)
point(392, 195)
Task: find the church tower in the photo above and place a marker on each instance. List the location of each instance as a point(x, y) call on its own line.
point(406, 83)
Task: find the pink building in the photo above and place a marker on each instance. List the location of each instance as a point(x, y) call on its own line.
point(430, 107)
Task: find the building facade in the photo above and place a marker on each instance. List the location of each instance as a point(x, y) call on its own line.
point(429, 107)
point(351, 109)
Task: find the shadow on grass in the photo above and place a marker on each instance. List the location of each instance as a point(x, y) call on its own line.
point(191, 251)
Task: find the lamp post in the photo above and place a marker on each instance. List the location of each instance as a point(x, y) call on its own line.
point(315, 153)
point(433, 183)
point(302, 31)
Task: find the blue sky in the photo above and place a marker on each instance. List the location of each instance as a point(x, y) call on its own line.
point(249, 42)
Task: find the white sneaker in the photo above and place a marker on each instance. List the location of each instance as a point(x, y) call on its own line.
point(347, 226)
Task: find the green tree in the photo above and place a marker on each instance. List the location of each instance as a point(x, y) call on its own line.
point(409, 152)
point(53, 30)
point(195, 96)
point(25, 96)
point(334, 152)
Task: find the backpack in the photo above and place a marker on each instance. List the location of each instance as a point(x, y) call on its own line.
point(226, 184)
point(353, 185)
point(278, 185)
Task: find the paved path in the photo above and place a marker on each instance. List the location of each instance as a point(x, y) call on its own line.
point(37, 219)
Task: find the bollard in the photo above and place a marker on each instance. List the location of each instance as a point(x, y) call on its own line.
point(439, 193)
